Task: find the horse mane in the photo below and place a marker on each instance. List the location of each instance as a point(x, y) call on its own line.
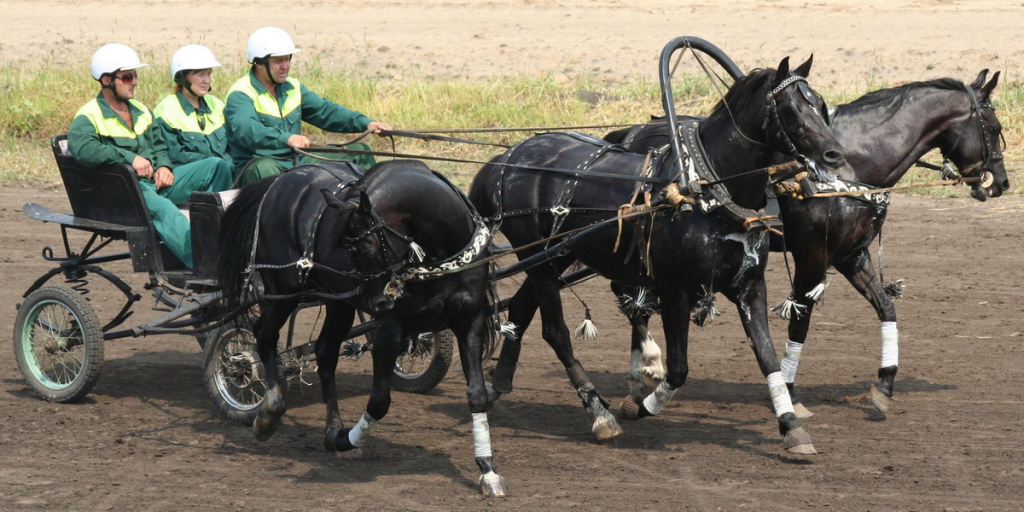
point(743, 90)
point(895, 97)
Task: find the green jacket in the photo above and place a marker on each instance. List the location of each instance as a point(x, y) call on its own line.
point(98, 136)
point(187, 139)
point(258, 124)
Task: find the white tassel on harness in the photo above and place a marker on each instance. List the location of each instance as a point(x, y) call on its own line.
point(818, 292)
point(508, 330)
point(643, 303)
point(789, 308)
point(417, 252)
point(586, 330)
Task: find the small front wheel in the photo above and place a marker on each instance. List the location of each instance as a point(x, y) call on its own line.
point(58, 344)
point(234, 374)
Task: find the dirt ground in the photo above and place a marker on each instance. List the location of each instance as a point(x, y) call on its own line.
point(148, 438)
point(855, 42)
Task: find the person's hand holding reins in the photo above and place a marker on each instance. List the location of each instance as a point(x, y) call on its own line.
point(298, 141)
point(377, 126)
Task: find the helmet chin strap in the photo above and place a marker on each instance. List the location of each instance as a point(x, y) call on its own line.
point(180, 79)
point(112, 86)
point(265, 62)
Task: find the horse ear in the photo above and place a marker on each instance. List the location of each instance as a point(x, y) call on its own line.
point(364, 202)
point(782, 71)
point(804, 69)
point(333, 201)
point(978, 82)
point(987, 90)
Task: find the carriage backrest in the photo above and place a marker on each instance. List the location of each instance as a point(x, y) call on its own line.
point(111, 194)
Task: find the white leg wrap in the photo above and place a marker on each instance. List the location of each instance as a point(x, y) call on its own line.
point(790, 360)
point(481, 435)
point(657, 400)
point(890, 344)
point(779, 393)
point(361, 432)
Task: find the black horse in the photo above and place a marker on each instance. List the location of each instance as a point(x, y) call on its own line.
point(397, 243)
point(690, 255)
point(884, 132)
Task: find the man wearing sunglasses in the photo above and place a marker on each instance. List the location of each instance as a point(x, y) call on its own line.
point(265, 110)
point(114, 128)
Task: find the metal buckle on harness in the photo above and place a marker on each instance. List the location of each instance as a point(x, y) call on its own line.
point(304, 263)
point(948, 173)
point(560, 210)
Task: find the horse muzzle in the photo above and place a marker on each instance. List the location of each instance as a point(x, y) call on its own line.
point(988, 186)
point(833, 159)
point(822, 174)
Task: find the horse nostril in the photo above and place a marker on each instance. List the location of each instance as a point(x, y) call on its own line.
point(834, 158)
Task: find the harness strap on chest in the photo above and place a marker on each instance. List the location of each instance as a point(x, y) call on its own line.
point(716, 196)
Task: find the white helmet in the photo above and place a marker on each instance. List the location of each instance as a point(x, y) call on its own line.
point(112, 58)
point(193, 56)
point(269, 42)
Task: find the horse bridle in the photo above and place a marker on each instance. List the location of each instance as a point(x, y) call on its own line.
point(988, 155)
point(772, 113)
point(394, 263)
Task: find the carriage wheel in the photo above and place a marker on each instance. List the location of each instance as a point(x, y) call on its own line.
point(58, 344)
point(234, 373)
point(423, 365)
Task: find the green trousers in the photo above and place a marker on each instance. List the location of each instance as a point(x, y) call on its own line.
point(265, 167)
point(209, 175)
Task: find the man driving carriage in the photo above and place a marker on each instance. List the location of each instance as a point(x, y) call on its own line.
point(265, 109)
point(114, 128)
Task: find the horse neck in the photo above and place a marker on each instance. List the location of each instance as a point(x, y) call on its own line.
point(881, 150)
point(730, 153)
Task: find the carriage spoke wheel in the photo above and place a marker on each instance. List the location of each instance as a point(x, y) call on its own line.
point(424, 362)
point(58, 344)
point(234, 374)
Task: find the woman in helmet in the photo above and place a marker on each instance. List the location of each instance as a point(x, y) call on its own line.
point(192, 120)
point(114, 128)
point(265, 109)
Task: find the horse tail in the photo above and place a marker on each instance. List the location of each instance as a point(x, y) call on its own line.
point(237, 229)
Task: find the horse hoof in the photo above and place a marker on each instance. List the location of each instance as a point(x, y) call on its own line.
point(606, 428)
point(492, 485)
point(801, 411)
point(329, 439)
point(798, 442)
point(264, 426)
point(492, 394)
point(629, 409)
point(879, 400)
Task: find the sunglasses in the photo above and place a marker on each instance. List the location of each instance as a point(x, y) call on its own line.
point(127, 77)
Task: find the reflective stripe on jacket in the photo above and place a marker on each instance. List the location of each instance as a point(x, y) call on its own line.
point(259, 124)
point(98, 135)
point(187, 139)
